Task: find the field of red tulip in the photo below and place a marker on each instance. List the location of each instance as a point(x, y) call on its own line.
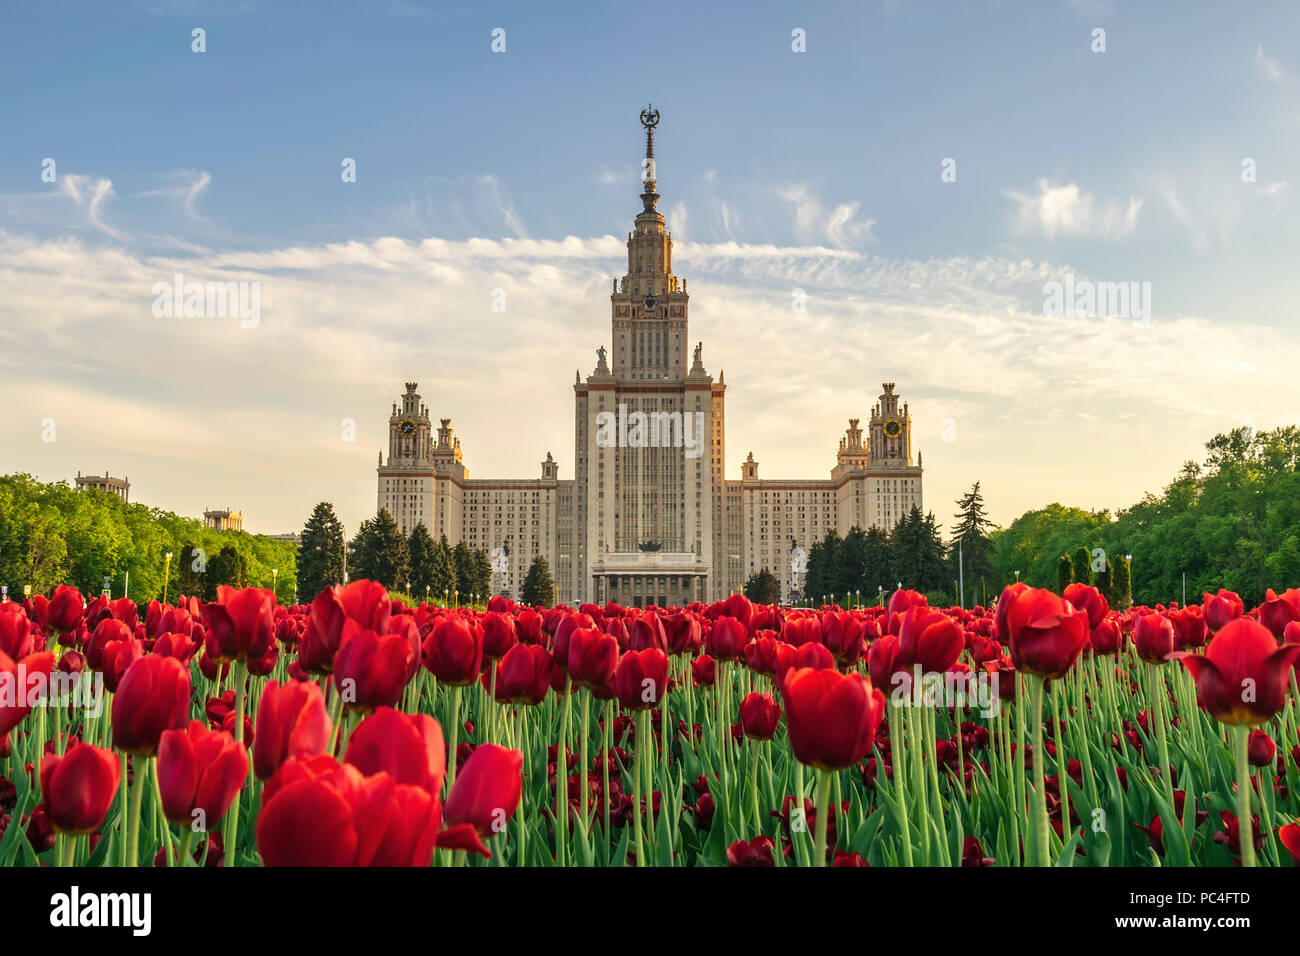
point(359, 731)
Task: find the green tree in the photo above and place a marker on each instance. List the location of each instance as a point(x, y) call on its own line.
point(229, 566)
point(763, 588)
point(971, 551)
point(443, 573)
point(1120, 595)
point(1082, 565)
point(320, 555)
point(391, 562)
point(363, 553)
point(539, 587)
point(1064, 573)
point(481, 574)
point(421, 550)
point(462, 559)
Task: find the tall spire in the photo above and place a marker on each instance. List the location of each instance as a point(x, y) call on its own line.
point(649, 120)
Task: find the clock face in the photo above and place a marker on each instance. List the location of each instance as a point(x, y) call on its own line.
point(406, 427)
point(650, 303)
point(893, 428)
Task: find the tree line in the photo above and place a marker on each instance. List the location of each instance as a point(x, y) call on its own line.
point(51, 534)
point(413, 564)
point(1232, 521)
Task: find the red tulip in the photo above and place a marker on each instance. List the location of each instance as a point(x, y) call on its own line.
point(240, 624)
point(453, 651)
point(842, 633)
point(528, 625)
point(1289, 837)
point(1279, 610)
point(291, 722)
point(641, 678)
point(153, 697)
point(1087, 598)
point(1045, 632)
point(883, 662)
point(1260, 749)
point(759, 716)
point(1153, 637)
point(1220, 609)
point(370, 670)
point(21, 684)
point(317, 812)
point(704, 671)
point(65, 609)
point(648, 631)
point(593, 656)
point(78, 788)
point(1243, 675)
point(16, 640)
point(1107, 637)
point(1189, 627)
point(727, 639)
point(737, 606)
point(498, 634)
point(408, 747)
point(524, 674)
point(930, 638)
point(485, 795)
point(759, 852)
point(200, 773)
point(831, 717)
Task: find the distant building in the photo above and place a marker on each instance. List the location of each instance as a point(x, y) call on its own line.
point(224, 520)
point(649, 517)
point(294, 539)
point(117, 486)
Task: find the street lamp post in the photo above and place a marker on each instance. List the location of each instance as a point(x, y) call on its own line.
point(1017, 577)
point(275, 574)
point(167, 572)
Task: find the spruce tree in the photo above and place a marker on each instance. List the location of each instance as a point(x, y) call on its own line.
point(539, 586)
point(320, 555)
point(391, 561)
point(420, 552)
point(1121, 590)
point(462, 559)
point(971, 535)
point(814, 582)
point(1103, 578)
point(190, 572)
point(877, 570)
point(443, 574)
point(481, 574)
point(361, 553)
point(1064, 573)
point(1083, 565)
point(763, 588)
point(853, 561)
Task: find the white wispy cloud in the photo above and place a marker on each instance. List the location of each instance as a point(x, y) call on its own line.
point(1066, 210)
point(89, 193)
point(811, 221)
point(1268, 67)
point(189, 186)
point(344, 324)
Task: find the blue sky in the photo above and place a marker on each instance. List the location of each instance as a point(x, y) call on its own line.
point(779, 170)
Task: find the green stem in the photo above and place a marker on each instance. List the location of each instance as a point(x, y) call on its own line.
point(1041, 847)
point(900, 775)
point(238, 672)
point(137, 807)
point(1241, 746)
point(823, 815)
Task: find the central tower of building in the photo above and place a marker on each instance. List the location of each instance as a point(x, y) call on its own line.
point(649, 427)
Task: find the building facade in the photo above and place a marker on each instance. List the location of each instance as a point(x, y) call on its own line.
point(106, 482)
point(223, 519)
point(649, 517)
